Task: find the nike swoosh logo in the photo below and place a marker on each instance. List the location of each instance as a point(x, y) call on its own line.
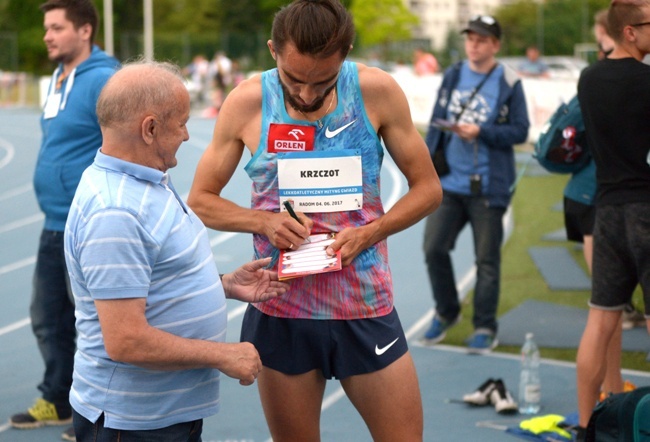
point(332, 133)
point(381, 351)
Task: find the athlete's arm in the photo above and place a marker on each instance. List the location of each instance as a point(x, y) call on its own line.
point(238, 126)
point(389, 112)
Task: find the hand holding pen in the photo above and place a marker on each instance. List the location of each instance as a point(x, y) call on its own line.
point(292, 213)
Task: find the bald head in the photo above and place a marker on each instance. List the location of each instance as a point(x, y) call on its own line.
point(143, 111)
point(139, 88)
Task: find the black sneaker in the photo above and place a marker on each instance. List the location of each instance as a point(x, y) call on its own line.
point(581, 434)
point(41, 414)
point(482, 395)
point(501, 399)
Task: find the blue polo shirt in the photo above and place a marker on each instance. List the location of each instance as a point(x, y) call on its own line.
point(129, 235)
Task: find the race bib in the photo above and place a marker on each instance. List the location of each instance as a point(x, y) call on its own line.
point(329, 181)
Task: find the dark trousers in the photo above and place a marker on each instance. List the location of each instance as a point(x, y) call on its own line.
point(441, 231)
point(53, 321)
point(86, 431)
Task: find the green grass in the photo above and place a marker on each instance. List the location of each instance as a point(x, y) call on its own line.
point(520, 280)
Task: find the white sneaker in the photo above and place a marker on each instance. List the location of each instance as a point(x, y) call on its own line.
point(501, 399)
point(482, 395)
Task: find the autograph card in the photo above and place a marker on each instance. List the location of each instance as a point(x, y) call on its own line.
point(442, 124)
point(310, 258)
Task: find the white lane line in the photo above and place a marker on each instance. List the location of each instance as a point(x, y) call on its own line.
point(22, 222)
point(18, 265)
point(15, 191)
point(237, 312)
point(15, 326)
point(7, 146)
point(4, 427)
point(222, 237)
point(396, 176)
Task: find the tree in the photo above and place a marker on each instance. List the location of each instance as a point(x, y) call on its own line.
point(564, 24)
point(381, 22)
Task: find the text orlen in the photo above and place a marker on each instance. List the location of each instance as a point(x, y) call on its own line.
point(283, 145)
point(325, 173)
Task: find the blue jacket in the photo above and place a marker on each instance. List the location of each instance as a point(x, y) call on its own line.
point(71, 139)
point(509, 128)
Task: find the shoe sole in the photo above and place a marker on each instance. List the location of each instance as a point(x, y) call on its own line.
point(629, 325)
point(475, 403)
point(483, 351)
point(40, 424)
point(69, 438)
point(507, 409)
point(433, 341)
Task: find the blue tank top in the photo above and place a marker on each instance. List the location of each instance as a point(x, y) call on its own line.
point(364, 289)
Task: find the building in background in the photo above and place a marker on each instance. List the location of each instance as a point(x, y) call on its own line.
point(439, 17)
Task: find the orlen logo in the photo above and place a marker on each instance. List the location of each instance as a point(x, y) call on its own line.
point(290, 138)
point(296, 133)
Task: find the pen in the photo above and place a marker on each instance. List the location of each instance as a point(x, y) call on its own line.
point(287, 205)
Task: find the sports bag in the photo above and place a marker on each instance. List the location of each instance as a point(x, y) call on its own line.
point(562, 144)
point(615, 418)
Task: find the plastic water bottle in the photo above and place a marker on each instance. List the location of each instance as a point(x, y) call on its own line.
point(530, 393)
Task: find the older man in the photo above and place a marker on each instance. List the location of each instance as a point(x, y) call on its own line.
point(150, 304)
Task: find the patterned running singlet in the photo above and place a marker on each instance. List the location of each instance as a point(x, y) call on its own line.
point(363, 289)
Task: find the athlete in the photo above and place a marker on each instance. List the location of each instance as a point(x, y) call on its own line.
point(314, 127)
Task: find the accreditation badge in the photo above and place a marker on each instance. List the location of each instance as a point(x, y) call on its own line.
point(322, 181)
point(290, 138)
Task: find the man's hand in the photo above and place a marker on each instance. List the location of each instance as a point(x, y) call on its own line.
point(467, 132)
point(253, 283)
point(241, 361)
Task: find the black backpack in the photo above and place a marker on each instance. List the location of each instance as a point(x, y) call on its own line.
point(622, 417)
point(562, 144)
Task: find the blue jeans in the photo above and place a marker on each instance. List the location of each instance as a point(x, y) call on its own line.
point(53, 321)
point(441, 231)
point(86, 431)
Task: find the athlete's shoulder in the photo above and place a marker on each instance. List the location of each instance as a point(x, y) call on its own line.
point(247, 95)
point(373, 80)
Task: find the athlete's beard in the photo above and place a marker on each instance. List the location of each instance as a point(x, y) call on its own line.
point(313, 107)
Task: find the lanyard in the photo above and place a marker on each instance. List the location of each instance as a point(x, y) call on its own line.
point(464, 105)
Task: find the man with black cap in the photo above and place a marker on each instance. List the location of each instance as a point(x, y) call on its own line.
point(480, 113)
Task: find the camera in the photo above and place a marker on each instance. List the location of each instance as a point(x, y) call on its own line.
point(475, 186)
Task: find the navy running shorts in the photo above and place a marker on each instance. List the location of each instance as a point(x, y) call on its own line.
point(621, 258)
point(339, 348)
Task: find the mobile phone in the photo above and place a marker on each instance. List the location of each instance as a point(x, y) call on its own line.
point(475, 185)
